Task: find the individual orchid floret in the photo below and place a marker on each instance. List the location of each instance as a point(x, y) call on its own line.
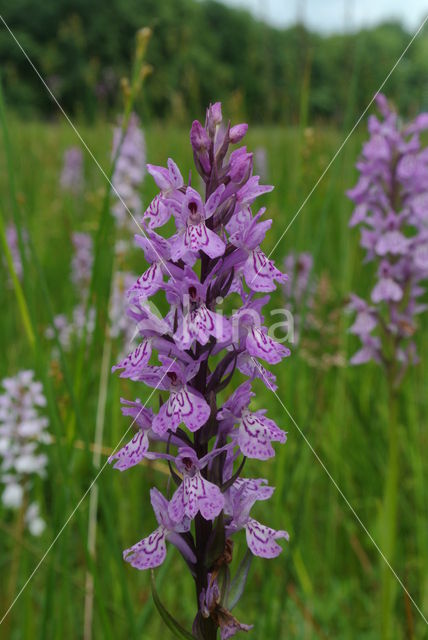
point(194, 235)
point(200, 323)
point(184, 404)
point(170, 182)
point(247, 233)
point(157, 253)
point(151, 551)
point(255, 431)
point(258, 343)
point(261, 539)
point(195, 492)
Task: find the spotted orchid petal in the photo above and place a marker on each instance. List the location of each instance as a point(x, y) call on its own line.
point(132, 453)
point(149, 552)
point(200, 325)
point(147, 284)
point(261, 345)
point(193, 495)
point(255, 434)
point(260, 273)
point(136, 361)
point(261, 539)
point(186, 406)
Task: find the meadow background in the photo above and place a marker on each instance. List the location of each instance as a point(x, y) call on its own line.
point(326, 583)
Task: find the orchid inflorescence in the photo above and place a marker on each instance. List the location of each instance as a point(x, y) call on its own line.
point(213, 253)
point(391, 199)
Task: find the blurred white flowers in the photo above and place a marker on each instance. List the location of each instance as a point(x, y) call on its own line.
point(23, 432)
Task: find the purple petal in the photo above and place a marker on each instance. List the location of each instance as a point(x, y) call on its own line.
point(195, 411)
point(260, 272)
point(147, 284)
point(260, 345)
point(175, 174)
point(365, 323)
point(161, 176)
point(255, 434)
point(392, 242)
point(132, 453)
point(193, 495)
point(183, 406)
point(136, 361)
point(157, 213)
point(213, 201)
point(250, 367)
point(199, 237)
point(149, 552)
point(200, 325)
point(261, 539)
point(387, 289)
point(176, 507)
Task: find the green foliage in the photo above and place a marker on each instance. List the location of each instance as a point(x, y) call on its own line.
point(201, 51)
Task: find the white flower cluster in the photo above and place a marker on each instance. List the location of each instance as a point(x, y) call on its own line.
point(22, 431)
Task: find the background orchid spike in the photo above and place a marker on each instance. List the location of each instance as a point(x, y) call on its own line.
point(214, 252)
point(391, 208)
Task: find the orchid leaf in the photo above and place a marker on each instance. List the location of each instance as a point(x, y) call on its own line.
point(239, 581)
point(174, 626)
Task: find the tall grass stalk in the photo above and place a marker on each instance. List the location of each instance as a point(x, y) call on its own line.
point(93, 496)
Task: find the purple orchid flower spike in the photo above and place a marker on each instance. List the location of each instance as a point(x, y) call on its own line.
point(190, 354)
point(392, 186)
point(151, 551)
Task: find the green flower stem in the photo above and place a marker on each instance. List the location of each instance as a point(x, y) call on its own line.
point(389, 520)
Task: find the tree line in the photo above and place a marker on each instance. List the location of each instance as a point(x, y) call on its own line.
point(201, 51)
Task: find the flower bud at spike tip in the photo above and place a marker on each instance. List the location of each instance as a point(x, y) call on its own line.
point(237, 133)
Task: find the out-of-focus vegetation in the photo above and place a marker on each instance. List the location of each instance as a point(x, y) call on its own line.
point(201, 50)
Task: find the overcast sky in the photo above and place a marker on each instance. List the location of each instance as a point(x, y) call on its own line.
point(333, 15)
